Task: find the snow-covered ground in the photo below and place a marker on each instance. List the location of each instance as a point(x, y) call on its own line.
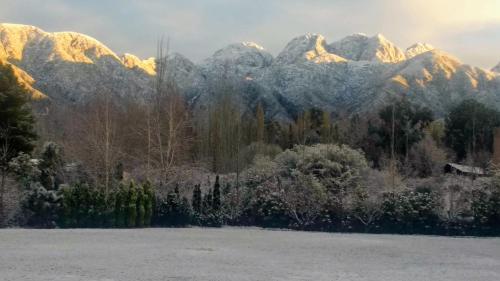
point(241, 254)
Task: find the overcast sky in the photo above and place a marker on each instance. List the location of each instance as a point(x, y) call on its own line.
point(469, 29)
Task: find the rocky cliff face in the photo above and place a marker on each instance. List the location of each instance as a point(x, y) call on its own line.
point(354, 74)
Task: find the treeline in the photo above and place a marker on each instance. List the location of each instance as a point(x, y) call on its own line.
point(324, 187)
point(114, 162)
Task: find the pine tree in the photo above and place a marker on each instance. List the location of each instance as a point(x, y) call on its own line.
point(216, 203)
point(51, 163)
point(207, 202)
point(173, 207)
point(185, 212)
point(17, 132)
point(196, 203)
point(132, 206)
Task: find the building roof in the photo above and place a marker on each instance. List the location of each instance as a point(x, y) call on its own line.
point(467, 169)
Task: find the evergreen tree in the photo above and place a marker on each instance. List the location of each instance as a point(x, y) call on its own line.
point(148, 203)
point(141, 210)
point(120, 204)
point(185, 212)
point(42, 207)
point(207, 202)
point(403, 125)
point(172, 206)
point(16, 124)
point(67, 216)
point(216, 203)
point(469, 127)
point(196, 203)
point(109, 215)
point(99, 202)
point(51, 164)
point(132, 205)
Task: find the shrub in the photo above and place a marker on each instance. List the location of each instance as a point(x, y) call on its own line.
point(410, 212)
point(42, 206)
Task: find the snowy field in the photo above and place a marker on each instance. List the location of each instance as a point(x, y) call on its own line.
point(241, 254)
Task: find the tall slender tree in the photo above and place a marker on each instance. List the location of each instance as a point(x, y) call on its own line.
point(196, 203)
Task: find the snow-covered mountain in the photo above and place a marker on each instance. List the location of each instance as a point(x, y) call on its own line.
point(359, 47)
point(69, 66)
point(417, 49)
point(354, 74)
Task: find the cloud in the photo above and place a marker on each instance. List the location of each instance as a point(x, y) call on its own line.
point(197, 28)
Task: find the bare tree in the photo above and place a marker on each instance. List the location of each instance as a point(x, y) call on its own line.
point(96, 139)
point(168, 121)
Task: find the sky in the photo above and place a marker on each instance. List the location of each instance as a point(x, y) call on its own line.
point(468, 29)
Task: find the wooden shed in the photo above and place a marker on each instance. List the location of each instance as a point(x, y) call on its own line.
point(453, 168)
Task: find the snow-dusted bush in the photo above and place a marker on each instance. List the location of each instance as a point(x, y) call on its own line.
point(42, 206)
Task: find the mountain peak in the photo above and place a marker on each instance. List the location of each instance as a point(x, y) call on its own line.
point(20, 42)
point(417, 49)
point(359, 47)
point(308, 47)
point(253, 45)
point(14, 37)
point(380, 37)
point(244, 52)
point(240, 58)
point(77, 47)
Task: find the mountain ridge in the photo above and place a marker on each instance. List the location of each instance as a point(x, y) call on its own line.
point(352, 74)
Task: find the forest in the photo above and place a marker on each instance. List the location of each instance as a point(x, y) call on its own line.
point(116, 162)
